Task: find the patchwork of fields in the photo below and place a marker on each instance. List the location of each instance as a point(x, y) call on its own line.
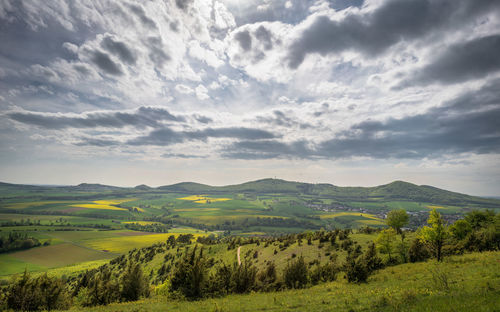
point(91, 225)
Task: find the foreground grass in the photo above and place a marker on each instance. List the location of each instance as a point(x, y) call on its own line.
point(461, 283)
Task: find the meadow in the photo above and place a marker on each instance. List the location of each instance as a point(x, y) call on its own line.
point(468, 283)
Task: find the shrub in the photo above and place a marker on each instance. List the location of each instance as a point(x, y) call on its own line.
point(296, 273)
point(134, 284)
point(35, 294)
point(418, 251)
point(243, 277)
point(267, 279)
point(189, 276)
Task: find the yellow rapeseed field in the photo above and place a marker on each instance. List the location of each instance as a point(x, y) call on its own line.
point(141, 222)
point(125, 243)
point(195, 209)
point(341, 214)
point(436, 207)
point(98, 206)
point(107, 204)
point(203, 199)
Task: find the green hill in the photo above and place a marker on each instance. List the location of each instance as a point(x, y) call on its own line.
point(473, 285)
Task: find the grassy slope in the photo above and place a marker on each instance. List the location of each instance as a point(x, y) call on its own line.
point(473, 285)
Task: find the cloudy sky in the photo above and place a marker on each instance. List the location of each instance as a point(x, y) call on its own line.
point(348, 92)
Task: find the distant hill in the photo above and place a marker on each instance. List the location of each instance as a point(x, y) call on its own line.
point(89, 187)
point(395, 191)
point(143, 187)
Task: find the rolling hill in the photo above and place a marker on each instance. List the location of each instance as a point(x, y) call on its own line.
point(395, 191)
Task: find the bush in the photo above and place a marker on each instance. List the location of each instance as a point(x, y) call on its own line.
point(296, 273)
point(189, 276)
point(418, 251)
point(134, 284)
point(221, 281)
point(243, 277)
point(324, 273)
point(35, 294)
point(267, 279)
point(359, 267)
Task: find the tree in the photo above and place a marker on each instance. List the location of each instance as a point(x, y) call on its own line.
point(134, 283)
point(371, 260)
point(435, 234)
point(418, 251)
point(189, 276)
point(385, 240)
point(296, 273)
point(397, 219)
point(460, 229)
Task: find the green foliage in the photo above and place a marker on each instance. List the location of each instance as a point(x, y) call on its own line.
point(35, 294)
point(480, 219)
point(418, 251)
point(435, 234)
point(189, 276)
point(221, 281)
point(134, 284)
point(243, 277)
point(371, 259)
point(17, 241)
point(355, 268)
point(397, 219)
point(385, 241)
point(98, 288)
point(324, 273)
point(267, 279)
point(296, 273)
point(460, 229)
point(358, 266)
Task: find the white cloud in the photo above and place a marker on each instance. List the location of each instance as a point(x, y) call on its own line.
point(183, 89)
point(202, 92)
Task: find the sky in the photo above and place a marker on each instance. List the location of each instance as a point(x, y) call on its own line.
point(353, 93)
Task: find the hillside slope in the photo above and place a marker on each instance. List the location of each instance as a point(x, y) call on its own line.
point(462, 283)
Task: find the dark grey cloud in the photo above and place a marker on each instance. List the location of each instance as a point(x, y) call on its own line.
point(166, 136)
point(157, 52)
point(183, 4)
point(141, 14)
point(162, 137)
point(104, 62)
point(466, 124)
point(202, 119)
point(97, 142)
point(280, 118)
point(393, 22)
point(344, 4)
point(266, 150)
point(244, 39)
point(265, 36)
point(177, 155)
point(119, 49)
point(460, 62)
point(143, 117)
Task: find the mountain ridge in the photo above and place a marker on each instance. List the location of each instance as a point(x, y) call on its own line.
point(396, 190)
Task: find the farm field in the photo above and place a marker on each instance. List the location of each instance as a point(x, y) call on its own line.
point(87, 225)
point(69, 248)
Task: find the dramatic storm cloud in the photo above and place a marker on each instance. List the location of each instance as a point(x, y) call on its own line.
point(222, 91)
